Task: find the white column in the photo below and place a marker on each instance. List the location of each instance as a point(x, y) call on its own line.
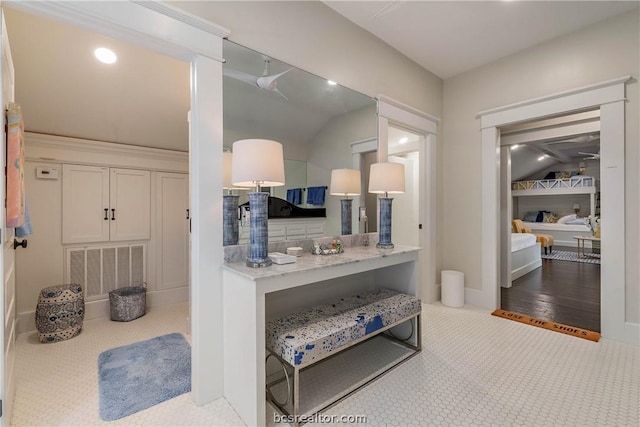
point(612, 208)
point(205, 161)
point(490, 219)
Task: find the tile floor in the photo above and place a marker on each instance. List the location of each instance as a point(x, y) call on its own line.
point(475, 369)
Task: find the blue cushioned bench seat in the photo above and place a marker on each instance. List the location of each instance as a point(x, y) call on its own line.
point(303, 338)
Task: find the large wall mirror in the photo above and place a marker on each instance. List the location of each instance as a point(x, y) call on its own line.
point(316, 120)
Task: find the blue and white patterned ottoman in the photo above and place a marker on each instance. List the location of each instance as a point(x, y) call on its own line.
point(302, 338)
point(59, 313)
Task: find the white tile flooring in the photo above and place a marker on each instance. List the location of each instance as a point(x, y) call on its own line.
point(475, 369)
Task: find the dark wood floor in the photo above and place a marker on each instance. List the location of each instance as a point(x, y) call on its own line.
point(560, 291)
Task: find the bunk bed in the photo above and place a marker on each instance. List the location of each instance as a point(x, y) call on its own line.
point(568, 226)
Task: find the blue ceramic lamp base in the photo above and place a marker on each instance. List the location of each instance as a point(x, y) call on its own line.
point(384, 233)
point(230, 220)
point(345, 206)
point(258, 230)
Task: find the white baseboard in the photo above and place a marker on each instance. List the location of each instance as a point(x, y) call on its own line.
point(26, 320)
point(521, 271)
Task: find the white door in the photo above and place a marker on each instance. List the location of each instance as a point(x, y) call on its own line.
point(173, 229)
point(85, 204)
point(7, 258)
point(130, 204)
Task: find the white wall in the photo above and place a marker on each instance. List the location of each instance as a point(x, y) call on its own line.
point(45, 244)
point(601, 52)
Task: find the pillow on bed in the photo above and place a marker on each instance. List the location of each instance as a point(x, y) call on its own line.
point(549, 217)
point(540, 216)
point(530, 216)
point(566, 218)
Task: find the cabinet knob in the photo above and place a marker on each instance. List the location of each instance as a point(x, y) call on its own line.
point(17, 244)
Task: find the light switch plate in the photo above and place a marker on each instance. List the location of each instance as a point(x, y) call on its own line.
point(47, 173)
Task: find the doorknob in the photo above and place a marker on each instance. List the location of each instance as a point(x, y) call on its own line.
point(16, 244)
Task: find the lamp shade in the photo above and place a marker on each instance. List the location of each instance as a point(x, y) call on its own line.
point(257, 161)
point(386, 178)
point(345, 182)
point(227, 159)
point(576, 206)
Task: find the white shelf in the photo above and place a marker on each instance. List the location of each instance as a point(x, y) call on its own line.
point(324, 382)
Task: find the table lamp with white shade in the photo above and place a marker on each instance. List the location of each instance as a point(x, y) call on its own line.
point(230, 234)
point(345, 182)
point(386, 178)
point(258, 163)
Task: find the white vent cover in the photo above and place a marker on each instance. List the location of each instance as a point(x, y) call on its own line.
point(100, 269)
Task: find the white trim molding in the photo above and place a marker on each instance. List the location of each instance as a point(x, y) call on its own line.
point(59, 149)
point(609, 97)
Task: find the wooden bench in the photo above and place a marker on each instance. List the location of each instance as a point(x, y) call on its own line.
point(302, 339)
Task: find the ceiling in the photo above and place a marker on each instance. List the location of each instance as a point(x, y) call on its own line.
point(143, 98)
point(451, 37)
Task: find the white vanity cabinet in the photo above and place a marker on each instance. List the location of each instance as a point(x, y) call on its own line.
point(251, 296)
point(101, 204)
point(289, 229)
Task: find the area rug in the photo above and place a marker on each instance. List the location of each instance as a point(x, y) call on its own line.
point(589, 258)
point(546, 324)
point(143, 374)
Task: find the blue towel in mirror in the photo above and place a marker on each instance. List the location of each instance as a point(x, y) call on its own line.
point(294, 195)
point(315, 195)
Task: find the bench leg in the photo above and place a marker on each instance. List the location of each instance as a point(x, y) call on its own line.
point(296, 396)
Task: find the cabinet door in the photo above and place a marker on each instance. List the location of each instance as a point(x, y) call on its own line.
point(130, 204)
point(172, 202)
point(85, 196)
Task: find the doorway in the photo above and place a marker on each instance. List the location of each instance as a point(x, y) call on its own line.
point(179, 38)
point(551, 184)
point(609, 96)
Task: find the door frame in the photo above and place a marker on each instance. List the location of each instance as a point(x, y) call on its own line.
point(176, 33)
point(426, 125)
point(609, 97)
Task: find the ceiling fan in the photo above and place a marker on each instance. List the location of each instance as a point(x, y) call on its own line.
point(592, 156)
point(265, 81)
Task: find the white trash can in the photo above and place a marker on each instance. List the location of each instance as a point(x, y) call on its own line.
point(452, 285)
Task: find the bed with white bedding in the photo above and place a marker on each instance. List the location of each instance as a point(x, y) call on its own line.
point(525, 254)
point(562, 232)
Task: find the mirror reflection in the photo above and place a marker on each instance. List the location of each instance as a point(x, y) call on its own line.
point(316, 120)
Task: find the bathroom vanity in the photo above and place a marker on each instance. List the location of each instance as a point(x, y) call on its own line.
point(252, 296)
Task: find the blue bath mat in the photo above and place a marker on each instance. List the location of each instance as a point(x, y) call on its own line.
point(143, 374)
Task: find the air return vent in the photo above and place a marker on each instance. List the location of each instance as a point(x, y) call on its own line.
point(100, 269)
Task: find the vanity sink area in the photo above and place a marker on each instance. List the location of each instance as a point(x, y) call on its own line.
point(254, 296)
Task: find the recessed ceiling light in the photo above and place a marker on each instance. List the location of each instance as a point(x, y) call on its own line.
point(104, 55)
point(515, 147)
point(403, 140)
point(541, 158)
point(331, 83)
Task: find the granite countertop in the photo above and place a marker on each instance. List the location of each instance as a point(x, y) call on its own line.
point(309, 262)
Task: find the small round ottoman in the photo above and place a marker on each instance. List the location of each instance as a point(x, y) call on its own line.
point(59, 313)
